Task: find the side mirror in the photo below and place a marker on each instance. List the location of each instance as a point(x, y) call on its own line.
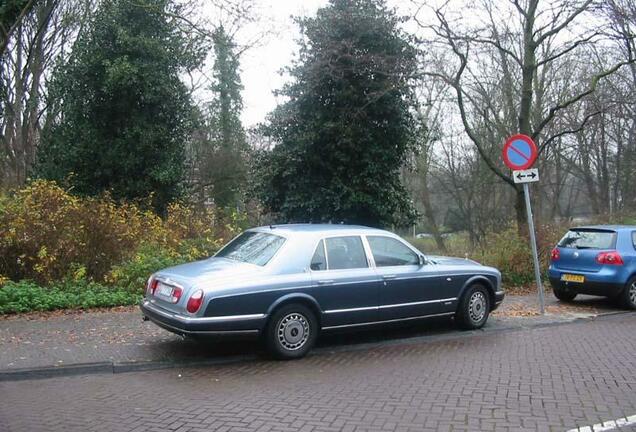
point(422, 260)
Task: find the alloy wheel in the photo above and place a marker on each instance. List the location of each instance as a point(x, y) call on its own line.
point(477, 306)
point(293, 331)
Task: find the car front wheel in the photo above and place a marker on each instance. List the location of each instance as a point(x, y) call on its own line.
point(474, 308)
point(291, 332)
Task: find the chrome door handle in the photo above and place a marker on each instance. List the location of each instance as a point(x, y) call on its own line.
point(325, 282)
point(385, 277)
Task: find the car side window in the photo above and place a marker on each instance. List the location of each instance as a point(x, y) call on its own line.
point(319, 260)
point(388, 252)
point(345, 253)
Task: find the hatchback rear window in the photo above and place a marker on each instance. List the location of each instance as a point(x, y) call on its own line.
point(588, 239)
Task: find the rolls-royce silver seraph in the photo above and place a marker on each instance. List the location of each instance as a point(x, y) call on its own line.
point(287, 283)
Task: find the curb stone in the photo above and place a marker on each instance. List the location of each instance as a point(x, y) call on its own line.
point(109, 367)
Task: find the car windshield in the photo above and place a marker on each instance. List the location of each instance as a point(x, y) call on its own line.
point(588, 239)
point(252, 247)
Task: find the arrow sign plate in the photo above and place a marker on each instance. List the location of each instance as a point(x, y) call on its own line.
point(526, 176)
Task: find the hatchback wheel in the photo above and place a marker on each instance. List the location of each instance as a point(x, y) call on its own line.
point(474, 308)
point(291, 332)
point(629, 294)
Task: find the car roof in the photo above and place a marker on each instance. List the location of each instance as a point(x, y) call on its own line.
point(605, 227)
point(319, 228)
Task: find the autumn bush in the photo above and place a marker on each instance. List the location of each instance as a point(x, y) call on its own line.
point(48, 235)
point(504, 249)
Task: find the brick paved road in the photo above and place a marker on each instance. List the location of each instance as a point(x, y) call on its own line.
point(122, 337)
point(551, 378)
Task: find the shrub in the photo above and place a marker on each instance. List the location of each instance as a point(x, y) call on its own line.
point(25, 296)
point(48, 235)
point(506, 250)
point(133, 274)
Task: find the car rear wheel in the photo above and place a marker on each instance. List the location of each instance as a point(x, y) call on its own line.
point(563, 294)
point(474, 308)
point(628, 296)
point(291, 332)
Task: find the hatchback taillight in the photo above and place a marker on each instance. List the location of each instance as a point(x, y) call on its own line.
point(611, 258)
point(195, 301)
point(555, 255)
point(151, 286)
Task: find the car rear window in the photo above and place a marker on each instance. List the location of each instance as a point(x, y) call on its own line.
point(588, 239)
point(252, 247)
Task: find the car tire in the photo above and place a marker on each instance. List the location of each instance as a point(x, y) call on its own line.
point(474, 308)
point(628, 296)
point(291, 332)
point(563, 294)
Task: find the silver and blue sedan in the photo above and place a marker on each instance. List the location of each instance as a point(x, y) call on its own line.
point(287, 283)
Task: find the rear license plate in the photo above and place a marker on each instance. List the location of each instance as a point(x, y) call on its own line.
point(572, 278)
point(164, 290)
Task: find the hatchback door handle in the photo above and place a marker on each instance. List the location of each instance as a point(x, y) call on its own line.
point(385, 277)
point(325, 282)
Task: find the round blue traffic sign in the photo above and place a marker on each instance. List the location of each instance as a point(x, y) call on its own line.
point(519, 152)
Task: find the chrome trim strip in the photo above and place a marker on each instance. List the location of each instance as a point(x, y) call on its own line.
point(417, 303)
point(203, 320)
point(390, 306)
point(360, 309)
point(499, 293)
point(388, 321)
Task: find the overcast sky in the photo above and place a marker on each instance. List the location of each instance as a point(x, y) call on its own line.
point(260, 66)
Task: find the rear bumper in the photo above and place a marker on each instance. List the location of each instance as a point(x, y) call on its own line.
point(591, 287)
point(221, 326)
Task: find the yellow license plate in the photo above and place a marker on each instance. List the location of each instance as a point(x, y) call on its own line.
point(572, 278)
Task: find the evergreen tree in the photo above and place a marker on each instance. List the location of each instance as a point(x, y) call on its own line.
point(347, 126)
point(224, 168)
point(124, 114)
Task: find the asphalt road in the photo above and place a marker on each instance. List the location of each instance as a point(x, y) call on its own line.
point(551, 378)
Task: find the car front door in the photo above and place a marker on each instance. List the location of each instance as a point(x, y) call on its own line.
point(344, 283)
point(408, 288)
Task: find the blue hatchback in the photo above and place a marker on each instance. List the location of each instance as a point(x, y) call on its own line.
point(597, 260)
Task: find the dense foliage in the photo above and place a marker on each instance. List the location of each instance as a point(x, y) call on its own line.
point(347, 125)
point(25, 296)
point(123, 112)
point(48, 235)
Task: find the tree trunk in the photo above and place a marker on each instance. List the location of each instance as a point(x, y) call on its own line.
point(430, 217)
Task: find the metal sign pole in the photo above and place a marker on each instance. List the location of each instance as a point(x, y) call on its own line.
point(535, 255)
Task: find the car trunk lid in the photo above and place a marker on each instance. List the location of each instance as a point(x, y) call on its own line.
point(199, 274)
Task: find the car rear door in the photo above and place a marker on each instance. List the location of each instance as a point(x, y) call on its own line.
point(343, 282)
point(408, 289)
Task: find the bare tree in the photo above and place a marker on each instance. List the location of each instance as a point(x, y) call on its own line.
point(516, 48)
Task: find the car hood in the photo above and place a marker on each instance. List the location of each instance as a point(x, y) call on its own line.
point(216, 270)
point(451, 260)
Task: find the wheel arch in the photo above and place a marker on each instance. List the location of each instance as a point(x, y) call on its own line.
point(300, 298)
point(481, 280)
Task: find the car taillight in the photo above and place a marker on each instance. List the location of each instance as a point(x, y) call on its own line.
point(612, 258)
point(555, 255)
point(151, 286)
point(195, 301)
point(176, 294)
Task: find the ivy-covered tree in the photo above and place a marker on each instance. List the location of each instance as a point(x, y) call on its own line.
point(223, 169)
point(123, 114)
point(347, 126)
